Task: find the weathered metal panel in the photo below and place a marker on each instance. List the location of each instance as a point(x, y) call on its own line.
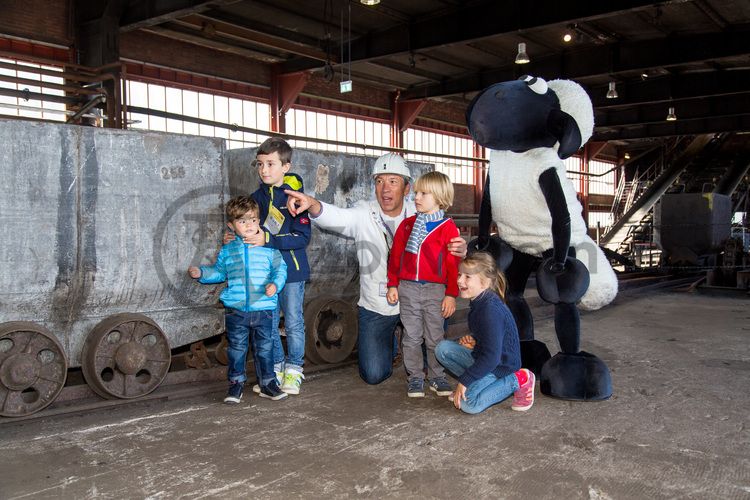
point(98, 222)
point(338, 178)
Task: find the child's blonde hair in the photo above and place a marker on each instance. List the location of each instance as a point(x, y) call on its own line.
point(483, 264)
point(439, 185)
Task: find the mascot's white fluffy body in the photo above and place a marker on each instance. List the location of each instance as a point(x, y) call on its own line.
point(530, 126)
point(520, 211)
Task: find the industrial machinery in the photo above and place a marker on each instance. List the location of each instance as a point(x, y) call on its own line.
point(99, 227)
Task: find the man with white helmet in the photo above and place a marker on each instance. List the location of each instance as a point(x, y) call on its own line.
point(372, 225)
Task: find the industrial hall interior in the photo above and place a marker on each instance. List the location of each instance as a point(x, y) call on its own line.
point(375, 249)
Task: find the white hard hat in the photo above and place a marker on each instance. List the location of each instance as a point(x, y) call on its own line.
point(391, 163)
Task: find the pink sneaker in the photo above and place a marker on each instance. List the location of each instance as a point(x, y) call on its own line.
point(523, 398)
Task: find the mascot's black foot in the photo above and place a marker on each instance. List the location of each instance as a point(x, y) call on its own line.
point(533, 355)
point(581, 377)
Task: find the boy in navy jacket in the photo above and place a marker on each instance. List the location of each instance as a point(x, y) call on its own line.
point(290, 235)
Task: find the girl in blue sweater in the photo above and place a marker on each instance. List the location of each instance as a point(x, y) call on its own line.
point(487, 363)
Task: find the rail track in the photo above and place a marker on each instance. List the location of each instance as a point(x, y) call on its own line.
point(200, 368)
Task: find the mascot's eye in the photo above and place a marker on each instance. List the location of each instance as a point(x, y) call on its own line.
point(538, 85)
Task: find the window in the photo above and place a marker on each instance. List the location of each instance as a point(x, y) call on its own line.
point(31, 105)
point(217, 108)
point(337, 128)
point(461, 171)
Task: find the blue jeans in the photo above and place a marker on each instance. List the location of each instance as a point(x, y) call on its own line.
point(244, 328)
point(291, 299)
point(482, 393)
point(375, 345)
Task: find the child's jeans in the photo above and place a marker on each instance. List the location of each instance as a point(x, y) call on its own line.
point(291, 299)
point(242, 329)
point(482, 393)
point(422, 318)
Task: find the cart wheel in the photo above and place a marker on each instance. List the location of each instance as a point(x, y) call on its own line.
point(32, 368)
point(331, 326)
point(125, 356)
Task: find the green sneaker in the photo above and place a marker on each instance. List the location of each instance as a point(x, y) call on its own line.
point(292, 381)
point(279, 379)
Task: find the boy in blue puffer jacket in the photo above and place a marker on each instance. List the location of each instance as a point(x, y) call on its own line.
point(254, 277)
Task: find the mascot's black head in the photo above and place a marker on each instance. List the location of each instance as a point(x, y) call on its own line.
point(520, 115)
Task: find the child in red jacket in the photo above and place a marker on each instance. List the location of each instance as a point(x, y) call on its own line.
point(422, 276)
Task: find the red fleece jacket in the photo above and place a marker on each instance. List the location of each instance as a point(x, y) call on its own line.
point(433, 263)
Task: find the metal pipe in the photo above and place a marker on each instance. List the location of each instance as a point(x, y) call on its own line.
point(37, 96)
point(86, 107)
point(41, 83)
point(201, 121)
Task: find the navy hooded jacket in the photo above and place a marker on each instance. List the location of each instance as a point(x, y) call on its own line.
point(294, 234)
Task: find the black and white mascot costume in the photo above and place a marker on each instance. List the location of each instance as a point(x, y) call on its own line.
point(530, 125)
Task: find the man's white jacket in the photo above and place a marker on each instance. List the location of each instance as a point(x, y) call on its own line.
point(364, 223)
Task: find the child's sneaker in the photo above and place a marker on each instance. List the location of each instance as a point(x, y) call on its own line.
point(292, 381)
point(441, 386)
point(234, 394)
point(272, 391)
point(523, 398)
point(279, 378)
point(416, 388)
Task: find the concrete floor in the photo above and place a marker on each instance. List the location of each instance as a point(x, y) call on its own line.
point(676, 427)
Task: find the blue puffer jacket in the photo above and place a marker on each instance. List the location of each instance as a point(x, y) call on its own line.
point(294, 234)
point(247, 270)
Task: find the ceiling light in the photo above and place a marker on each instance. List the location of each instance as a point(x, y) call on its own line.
point(522, 57)
point(644, 75)
point(671, 116)
point(369, 2)
point(567, 36)
point(612, 92)
point(627, 156)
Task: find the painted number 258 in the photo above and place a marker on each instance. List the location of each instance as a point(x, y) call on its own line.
point(172, 172)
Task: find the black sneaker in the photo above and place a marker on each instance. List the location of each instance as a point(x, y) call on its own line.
point(440, 386)
point(234, 394)
point(415, 388)
point(272, 391)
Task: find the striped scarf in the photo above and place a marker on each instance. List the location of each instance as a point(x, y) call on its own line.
point(419, 231)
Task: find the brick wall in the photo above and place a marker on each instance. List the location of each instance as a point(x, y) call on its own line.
point(162, 51)
point(46, 21)
point(463, 203)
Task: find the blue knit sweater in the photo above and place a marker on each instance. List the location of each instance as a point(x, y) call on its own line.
point(497, 350)
point(247, 270)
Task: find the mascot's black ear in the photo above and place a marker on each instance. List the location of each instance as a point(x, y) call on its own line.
point(561, 125)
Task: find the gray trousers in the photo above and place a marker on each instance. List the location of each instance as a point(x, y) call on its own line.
point(420, 305)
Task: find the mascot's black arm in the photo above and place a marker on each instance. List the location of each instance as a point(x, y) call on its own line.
point(558, 209)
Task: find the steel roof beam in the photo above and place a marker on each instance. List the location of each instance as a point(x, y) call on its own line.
point(677, 128)
point(686, 86)
point(474, 22)
point(602, 60)
point(144, 13)
point(688, 109)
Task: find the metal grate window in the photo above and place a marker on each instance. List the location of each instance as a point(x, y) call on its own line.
point(460, 171)
point(23, 99)
point(202, 105)
point(318, 125)
point(604, 184)
point(591, 184)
